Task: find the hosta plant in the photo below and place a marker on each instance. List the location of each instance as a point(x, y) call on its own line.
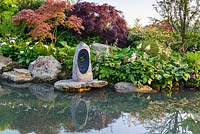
point(140, 68)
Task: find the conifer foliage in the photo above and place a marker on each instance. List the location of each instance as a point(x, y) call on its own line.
point(47, 17)
point(104, 21)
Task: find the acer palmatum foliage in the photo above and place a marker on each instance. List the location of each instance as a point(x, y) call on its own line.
point(75, 23)
point(104, 21)
point(47, 17)
point(162, 25)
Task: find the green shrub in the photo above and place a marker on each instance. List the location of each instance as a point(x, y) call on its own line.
point(163, 38)
point(161, 73)
point(152, 40)
point(29, 4)
point(72, 40)
point(193, 60)
point(170, 72)
point(7, 9)
point(26, 50)
point(125, 65)
point(7, 28)
point(139, 33)
point(19, 50)
point(193, 42)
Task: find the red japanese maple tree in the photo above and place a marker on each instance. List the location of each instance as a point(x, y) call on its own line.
point(47, 17)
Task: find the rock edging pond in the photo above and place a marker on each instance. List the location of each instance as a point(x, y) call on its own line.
point(47, 69)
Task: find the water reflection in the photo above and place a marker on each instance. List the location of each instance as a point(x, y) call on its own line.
point(4, 91)
point(40, 110)
point(79, 112)
point(7, 131)
point(171, 123)
point(43, 91)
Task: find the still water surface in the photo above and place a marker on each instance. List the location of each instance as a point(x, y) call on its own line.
point(39, 110)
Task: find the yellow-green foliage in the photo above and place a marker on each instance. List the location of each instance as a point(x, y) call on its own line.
point(193, 60)
point(153, 40)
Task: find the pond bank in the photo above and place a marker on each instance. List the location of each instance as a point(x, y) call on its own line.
point(47, 69)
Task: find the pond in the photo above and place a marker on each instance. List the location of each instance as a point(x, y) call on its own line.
point(39, 110)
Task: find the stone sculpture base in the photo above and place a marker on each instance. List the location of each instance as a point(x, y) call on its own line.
point(71, 85)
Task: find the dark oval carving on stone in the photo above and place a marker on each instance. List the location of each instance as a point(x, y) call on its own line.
point(83, 61)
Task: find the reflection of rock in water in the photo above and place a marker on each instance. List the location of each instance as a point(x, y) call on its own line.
point(85, 117)
point(4, 91)
point(79, 112)
point(14, 85)
point(98, 120)
point(43, 91)
point(44, 119)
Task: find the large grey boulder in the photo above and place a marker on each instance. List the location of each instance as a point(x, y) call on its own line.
point(17, 76)
point(101, 48)
point(128, 87)
point(82, 68)
point(45, 68)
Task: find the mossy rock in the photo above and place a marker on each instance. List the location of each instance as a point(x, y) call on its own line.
point(18, 76)
point(7, 68)
point(15, 64)
point(11, 66)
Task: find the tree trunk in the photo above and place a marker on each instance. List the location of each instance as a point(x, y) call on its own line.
point(183, 27)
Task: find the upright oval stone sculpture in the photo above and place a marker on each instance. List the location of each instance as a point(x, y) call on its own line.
point(82, 69)
point(82, 77)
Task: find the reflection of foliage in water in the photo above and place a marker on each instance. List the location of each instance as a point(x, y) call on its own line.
point(172, 116)
point(192, 125)
point(24, 112)
point(43, 117)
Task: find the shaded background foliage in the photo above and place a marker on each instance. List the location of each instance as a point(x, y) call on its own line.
point(29, 4)
point(183, 15)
